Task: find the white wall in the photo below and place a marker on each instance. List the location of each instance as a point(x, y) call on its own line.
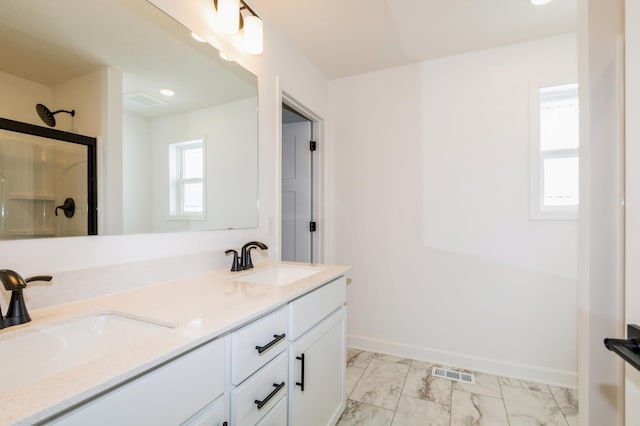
point(89, 266)
point(20, 96)
point(81, 94)
point(230, 141)
point(430, 165)
point(136, 192)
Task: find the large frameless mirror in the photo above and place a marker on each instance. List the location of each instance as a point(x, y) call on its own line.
point(182, 158)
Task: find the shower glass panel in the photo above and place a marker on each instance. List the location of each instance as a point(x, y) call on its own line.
point(45, 185)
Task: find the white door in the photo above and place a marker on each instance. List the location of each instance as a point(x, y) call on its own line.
point(296, 192)
point(632, 202)
point(317, 372)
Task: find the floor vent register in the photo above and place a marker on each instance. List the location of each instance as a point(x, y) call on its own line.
point(453, 375)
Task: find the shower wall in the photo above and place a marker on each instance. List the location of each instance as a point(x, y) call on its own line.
point(36, 176)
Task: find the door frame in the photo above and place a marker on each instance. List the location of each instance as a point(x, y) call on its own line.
point(318, 205)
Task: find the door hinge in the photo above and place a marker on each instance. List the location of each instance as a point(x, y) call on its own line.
point(312, 146)
point(312, 226)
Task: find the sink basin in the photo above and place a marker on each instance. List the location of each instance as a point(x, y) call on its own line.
point(43, 350)
point(278, 275)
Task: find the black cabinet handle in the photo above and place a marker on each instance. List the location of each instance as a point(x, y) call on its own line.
point(301, 382)
point(276, 339)
point(271, 395)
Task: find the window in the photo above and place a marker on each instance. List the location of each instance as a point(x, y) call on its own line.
point(186, 174)
point(554, 152)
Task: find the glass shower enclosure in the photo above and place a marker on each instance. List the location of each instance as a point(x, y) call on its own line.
point(47, 182)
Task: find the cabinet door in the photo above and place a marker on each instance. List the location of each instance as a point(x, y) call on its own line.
point(316, 373)
point(212, 415)
point(168, 395)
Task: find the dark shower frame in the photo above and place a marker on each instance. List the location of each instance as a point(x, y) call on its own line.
point(88, 141)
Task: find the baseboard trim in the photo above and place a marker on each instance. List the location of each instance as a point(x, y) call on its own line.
point(452, 359)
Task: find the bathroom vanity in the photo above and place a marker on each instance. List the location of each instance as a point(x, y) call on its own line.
point(238, 348)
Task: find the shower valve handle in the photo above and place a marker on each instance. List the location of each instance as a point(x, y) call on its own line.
point(69, 208)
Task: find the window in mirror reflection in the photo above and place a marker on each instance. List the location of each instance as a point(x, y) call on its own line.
point(186, 173)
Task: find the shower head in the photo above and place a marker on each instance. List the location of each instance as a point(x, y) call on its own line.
point(48, 117)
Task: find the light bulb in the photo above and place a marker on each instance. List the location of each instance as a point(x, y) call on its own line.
point(539, 2)
point(253, 38)
point(229, 16)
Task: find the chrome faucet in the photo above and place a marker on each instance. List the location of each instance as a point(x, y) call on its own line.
point(17, 312)
point(244, 260)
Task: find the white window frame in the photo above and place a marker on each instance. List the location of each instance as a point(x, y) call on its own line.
point(537, 209)
point(177, 180)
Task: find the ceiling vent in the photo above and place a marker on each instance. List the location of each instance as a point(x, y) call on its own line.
point(143, 99)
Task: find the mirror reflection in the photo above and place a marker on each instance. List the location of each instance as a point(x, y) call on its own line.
point(176, 125)
point(44, 174)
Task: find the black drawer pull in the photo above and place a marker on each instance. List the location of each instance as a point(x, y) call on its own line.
point(271, 395)
point(301, 382)
point(276, 339)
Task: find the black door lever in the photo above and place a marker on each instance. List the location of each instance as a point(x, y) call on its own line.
point(627, 349)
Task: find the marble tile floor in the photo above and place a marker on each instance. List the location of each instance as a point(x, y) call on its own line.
point(386, 390)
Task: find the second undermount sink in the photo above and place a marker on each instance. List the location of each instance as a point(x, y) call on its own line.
point(43, 350)
point(278, 275)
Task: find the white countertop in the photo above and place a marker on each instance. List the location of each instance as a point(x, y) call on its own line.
point(200, 308)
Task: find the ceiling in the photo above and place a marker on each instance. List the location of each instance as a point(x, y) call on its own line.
point(347, 37)
point(53, 42)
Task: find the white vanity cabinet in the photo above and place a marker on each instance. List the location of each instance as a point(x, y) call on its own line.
point(317, 356)
point(284, 368)
point(167, 395)
point(258, 376)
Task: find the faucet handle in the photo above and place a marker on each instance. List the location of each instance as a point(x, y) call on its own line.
point(13, 281)
point(39, 278)
point(235, 267)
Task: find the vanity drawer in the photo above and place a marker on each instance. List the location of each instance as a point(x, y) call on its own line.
point(277, 416)
point(256, 344)
point(310, 309)
point(271, 380)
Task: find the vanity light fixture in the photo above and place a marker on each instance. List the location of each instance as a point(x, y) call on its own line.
point(229, 14)
point(196, 37)
point(167, 92)
point(235, 16)
point(225, 56)
point(252, 35)
point(539, 2)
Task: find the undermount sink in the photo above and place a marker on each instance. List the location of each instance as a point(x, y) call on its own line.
point(43, 350)
point(279, 275)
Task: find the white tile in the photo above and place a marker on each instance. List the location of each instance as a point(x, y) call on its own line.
point(360, 359)
point(418, 412)
point(469, 409)
point(381, 384)
point(422, 385)
point(358, 413)
point(531, 408)
point(522, 384)
point(353, 375)
point(391, 358)
point(568, 401)
point(486, 384)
